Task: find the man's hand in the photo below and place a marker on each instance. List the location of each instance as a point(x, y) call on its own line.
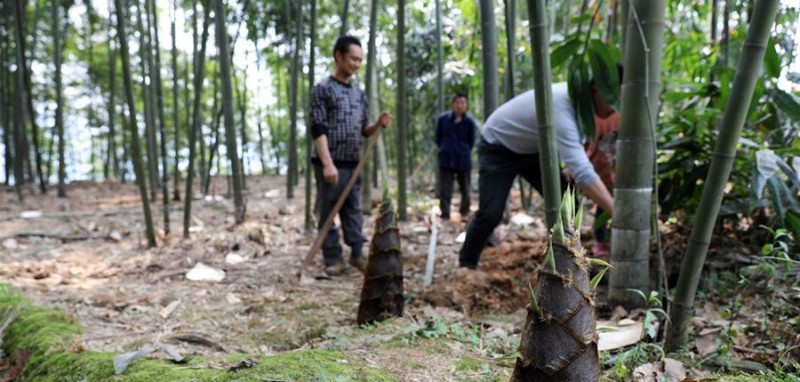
point(385, 119)
point(330, 174)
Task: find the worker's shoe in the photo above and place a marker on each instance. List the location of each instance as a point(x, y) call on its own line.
point(359, 262)
point(336, 268)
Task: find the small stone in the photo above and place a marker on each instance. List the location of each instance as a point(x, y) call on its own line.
point(10, 244)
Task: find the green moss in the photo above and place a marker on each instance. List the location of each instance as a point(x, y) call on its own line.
point(470, 364)
point(48, 334)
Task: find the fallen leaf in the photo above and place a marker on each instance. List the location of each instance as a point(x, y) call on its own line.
point(122, 361)
point(621, 337)
point(169, 309)
point(674, 369)
point(115, 236)
point(202, 272)
point(707, 344)
point(232, 299)
point(649, 372)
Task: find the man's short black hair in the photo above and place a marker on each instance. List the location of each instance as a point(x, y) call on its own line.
point(458, 95)
point(343, 44)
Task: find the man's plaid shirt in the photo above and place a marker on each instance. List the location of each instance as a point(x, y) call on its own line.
point(339, 111)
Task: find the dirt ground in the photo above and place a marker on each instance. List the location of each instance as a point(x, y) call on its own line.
point(87, 255)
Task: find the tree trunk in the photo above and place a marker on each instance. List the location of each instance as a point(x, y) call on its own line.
point(309, 221)
point(402, 140)
point(149, 120)
point(199, 76)
point(4, 109)
point(548, 151)
point(242, 98)
point(162, 128)
point(559, 339)
point(633, 191)
point(216, 115)
point(747, 72)
point(345, 13)
point(624, 20)
point(62, 165)
point(176, 137)
point(112, 160)
point(291, 179)
point(136, 151)
point(227, 106)
point(726, 34)
point(511, 6)
point(19, 114)
point(366, 184)
point(489, 54)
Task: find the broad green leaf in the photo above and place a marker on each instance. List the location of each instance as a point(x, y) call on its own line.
point(649, 324)
point(581, 96)
point(772, 61)
point(777, 199)
point(564, 51)
point(766, 163)
point(788, 103)
point(790, 172)
point(604, 72)
point(793, 221)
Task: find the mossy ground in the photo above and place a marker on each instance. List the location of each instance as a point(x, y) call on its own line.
point(49, 336)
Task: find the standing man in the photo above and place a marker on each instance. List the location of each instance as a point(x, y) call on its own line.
point(339, 121)
point(509, 147)
point(455, 136)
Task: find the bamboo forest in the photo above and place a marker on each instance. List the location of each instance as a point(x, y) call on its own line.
point(402, 190)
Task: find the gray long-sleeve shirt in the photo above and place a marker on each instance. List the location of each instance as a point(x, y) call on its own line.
point(513, 125)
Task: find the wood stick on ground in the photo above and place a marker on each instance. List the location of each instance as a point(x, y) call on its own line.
point(339, 202)
point(431, 250)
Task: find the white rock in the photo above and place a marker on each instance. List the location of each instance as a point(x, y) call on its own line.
point(522, 219)
point(461, 237)
point(10, 244)
point(31, 214)
point(232, 299)
point(234, 259)
point(202, 272)
point(272, 194)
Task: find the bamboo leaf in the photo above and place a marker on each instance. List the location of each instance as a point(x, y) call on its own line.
point(579, 217)
point(550, 260)
point(581, 96)
point(600, 262)
point(640, 293)
point(596, 279)
point(604, 72)
point(772, 61)
point(534, 304)
point(788, 103)
point(567, 49)
point(777, 200)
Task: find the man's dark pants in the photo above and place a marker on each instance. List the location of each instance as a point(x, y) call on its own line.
point(446, 177)
point(350, 215)
point(498, 167)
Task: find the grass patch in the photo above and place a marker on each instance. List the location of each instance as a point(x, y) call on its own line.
point(49, 335)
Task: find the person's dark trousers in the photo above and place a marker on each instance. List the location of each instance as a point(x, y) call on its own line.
point(446, 177)
point(498, 167)
point(350, 215)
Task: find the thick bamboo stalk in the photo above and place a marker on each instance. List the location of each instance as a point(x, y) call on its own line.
point(548, 151)
point(747, 72)
point(634, 165)
point(309, 221)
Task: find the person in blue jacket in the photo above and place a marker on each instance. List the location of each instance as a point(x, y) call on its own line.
point(455, 135)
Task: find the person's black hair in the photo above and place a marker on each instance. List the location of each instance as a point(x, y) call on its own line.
point(343, 43)
point(458, 95)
